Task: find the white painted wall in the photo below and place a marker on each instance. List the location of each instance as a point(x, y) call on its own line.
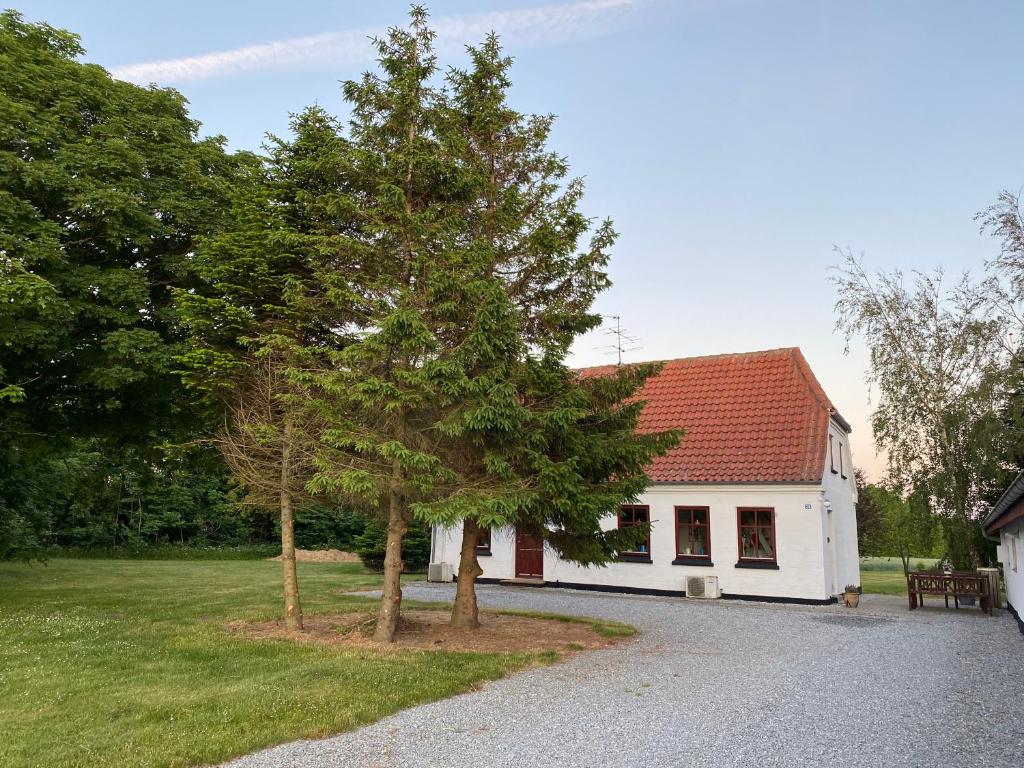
point(800, 532)
point(840, 514)
point(1011, 556)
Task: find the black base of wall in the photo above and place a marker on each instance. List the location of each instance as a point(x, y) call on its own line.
point(615, 589)
point(785, 600)
point(673, 593)
point(1013, 612)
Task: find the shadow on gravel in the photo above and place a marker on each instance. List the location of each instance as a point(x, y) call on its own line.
point(853, 621)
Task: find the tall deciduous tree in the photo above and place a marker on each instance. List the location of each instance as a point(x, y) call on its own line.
point(1004, 221)
point(869, 518)
point(908, 525)
point(272, 300)
point(104, 187)
point(1004, 287)
point(937, 359)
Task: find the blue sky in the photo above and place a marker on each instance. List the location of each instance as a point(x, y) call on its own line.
point(734, 143)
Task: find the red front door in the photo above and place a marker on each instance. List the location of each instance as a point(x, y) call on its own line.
point(529, 556)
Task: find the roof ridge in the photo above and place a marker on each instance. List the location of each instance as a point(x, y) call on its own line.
point(1013, 493)
point(815, 386)
point(804, 369)
point(696, 357)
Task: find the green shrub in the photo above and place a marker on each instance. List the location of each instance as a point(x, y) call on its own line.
point(370, 545)
point(329, 528)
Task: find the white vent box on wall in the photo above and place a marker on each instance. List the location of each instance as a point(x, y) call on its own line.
point(439, 572)
point(703, 587)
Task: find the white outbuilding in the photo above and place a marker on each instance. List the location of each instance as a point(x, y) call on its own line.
point(1006, 521)
point(756, 502)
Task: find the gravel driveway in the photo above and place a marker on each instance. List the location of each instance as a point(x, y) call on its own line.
point(720, 683)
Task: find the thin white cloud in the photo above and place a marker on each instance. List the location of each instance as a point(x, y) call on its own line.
point(526, 26)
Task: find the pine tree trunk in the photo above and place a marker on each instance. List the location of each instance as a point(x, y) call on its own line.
point(292, 606)
point(391, 595)
point(290, 579)
point(465, 612)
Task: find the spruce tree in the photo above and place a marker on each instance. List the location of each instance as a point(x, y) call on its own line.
point(383, 391)
point(552, 454)
point(453, 405)
point(271, 300)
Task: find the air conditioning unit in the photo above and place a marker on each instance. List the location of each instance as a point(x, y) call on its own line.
point(703, 587)
point(439, 572)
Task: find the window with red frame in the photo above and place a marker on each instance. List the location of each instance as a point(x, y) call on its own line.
point(636, 514)
point(693, 533)
point(756, 534)
point(483, 541)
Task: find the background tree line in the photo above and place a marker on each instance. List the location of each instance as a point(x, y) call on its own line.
point(105, 189)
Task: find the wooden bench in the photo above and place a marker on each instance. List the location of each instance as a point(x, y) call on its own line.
point(946, 585)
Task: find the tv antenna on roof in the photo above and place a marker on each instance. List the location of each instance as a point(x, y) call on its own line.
point(621, 340)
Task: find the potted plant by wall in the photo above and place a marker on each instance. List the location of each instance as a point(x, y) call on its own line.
point(851, 595)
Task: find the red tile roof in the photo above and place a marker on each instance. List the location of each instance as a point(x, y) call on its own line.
point(753, 417)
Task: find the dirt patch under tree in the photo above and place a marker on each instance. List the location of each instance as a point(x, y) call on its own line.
point(322, 556)
point(429, 630)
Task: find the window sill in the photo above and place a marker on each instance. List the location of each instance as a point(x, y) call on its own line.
point(688, 560)
point(626, 557)
point(762, 564)
point(482, 553)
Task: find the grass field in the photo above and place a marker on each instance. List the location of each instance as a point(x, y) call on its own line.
point(883, 582)
point(884, 575)
point(117, 663)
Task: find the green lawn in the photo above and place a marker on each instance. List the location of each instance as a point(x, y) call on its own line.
point(884, 575)
point(117, 663)
point(883, 582)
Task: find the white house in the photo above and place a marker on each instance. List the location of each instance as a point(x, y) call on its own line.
point(1006, 520)
point(759, 493)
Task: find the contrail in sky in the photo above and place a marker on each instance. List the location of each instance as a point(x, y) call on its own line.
point(525, 26)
